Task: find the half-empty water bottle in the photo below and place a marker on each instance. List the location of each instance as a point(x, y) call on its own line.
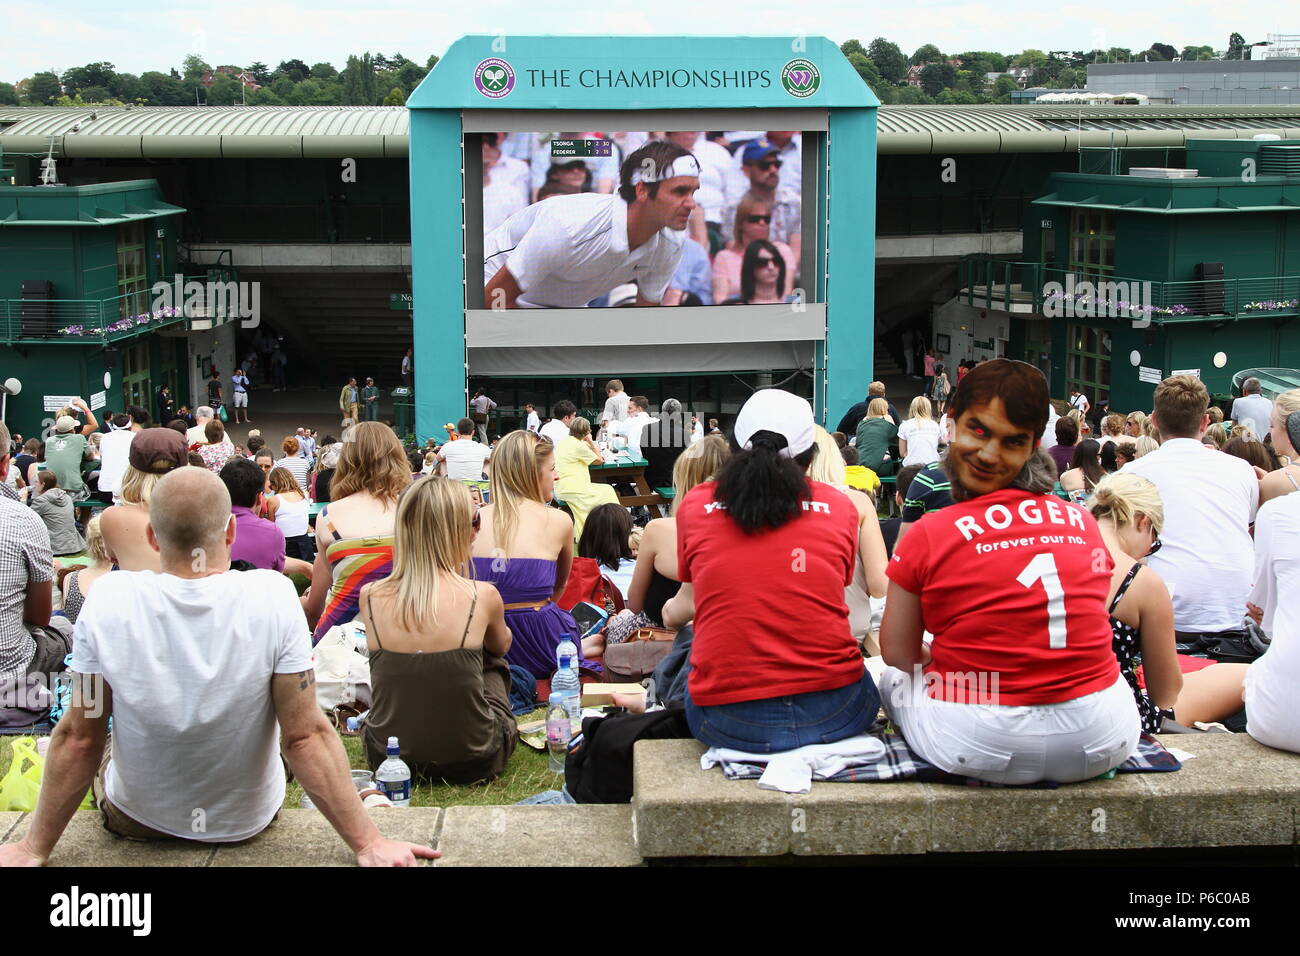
point(394, 777)
point(558, 733)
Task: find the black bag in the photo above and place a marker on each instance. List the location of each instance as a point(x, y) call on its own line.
point(1240, 646)
point(600, 769)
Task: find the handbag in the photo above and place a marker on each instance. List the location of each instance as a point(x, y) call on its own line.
point(636, 658)
point(221, 413)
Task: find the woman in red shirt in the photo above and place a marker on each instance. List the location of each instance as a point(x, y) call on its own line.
point(1020, 683)
point(764, 554)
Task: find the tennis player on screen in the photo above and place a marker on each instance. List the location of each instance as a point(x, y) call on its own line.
point(565, 251)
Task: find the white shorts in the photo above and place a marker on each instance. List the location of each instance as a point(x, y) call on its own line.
point(241, 399)
point(1074, 740)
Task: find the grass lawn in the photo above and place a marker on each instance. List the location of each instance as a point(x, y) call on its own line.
point(525, 775)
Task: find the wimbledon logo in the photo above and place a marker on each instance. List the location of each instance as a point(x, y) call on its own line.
point(494, 78)
point(801, 78)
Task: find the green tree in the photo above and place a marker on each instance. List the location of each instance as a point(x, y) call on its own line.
point(395, 97)
point(1032, 59)
point(908, 96)
point(8, 95)
point(409, 75)
point(283, 87)
point(1068, 79)
point(929, 53)
point(1165, 50)
point(932, 79)
point(193, 67)
point(956, 98)
point(850, 47)
point(430, 63)
point(889, 60)
point(1198, 53)
point(295, 70)
point(225, 91)
point(867, 70)
point(260, 72)
point(1236, 47)
point(163, 90)
point(323, 71)
point(359, 82)
point(43, 89)
point(265, 96)
point(127, 88)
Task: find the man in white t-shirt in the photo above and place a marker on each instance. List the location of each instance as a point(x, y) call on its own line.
point(198, 435)
point(615, 405)
point(569, 250)
point(1206, 557)
point(464, 457)
point(114, 452)
point(1252, 408)
point(505, 183)
point(637, 419)
point(216, 680)
point(532, 422)
point(557, 429)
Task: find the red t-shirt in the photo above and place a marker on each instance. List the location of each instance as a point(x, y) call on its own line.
point(1019, 611)
point(770, 617)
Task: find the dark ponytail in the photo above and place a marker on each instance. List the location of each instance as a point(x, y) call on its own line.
point(762, 489)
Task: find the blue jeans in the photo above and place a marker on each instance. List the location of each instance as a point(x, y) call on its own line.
point(785, 723)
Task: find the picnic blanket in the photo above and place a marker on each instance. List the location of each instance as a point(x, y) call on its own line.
point(891, 760)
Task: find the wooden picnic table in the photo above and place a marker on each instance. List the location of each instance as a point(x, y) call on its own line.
point(628, 471)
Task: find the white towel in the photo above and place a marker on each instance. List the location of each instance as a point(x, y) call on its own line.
point(792, 771)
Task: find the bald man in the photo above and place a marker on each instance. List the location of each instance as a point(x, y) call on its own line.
point(217, 658)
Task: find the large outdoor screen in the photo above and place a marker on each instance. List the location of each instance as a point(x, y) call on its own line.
point(598, 219)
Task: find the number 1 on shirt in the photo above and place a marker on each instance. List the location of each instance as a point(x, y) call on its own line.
point(1043, 567)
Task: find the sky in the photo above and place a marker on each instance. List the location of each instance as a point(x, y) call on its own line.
point(138, 36)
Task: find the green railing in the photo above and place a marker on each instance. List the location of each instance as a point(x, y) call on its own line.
point(81, 321)
point(995, 283)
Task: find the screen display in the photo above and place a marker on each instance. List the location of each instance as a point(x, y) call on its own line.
point(601, 219)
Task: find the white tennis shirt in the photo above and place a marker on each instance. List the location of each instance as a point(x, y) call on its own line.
point(567, 250)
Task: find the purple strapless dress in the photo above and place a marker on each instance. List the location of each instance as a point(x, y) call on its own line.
point(535, 633)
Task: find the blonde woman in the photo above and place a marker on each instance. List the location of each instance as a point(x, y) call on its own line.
point(1145, 446)
point(354, 534)
point(1112, 429)
point(753, 221)
point(1076, 416)
point(1286, 479)
point(573, 485)
point(869, 580)
point(1130, 515)
point(1134, 424)
point(286, 505)
point(655, 579)
point(918, 437)
point(77, 584)
point(1215, 435)
point(525, 548)
point(153, 453)
point(437, 645)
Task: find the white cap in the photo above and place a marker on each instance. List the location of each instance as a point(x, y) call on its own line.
point(775, 410)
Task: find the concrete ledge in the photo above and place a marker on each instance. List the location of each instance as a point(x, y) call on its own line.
point(305, 838)
point(1234, 792)
point(297, 838)
point(569, 835)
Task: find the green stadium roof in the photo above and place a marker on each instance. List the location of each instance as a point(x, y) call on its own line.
point(248, 132)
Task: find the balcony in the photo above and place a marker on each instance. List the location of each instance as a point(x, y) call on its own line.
point(1027, 287)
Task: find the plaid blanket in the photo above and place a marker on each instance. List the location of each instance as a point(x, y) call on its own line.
point(900, 763)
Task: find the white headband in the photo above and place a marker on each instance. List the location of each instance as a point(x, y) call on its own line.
point(681, 166)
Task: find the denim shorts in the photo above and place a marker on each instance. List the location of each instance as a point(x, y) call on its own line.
point(785, 723)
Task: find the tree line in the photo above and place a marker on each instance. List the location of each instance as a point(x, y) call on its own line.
point(365, 80)
point(931, 76)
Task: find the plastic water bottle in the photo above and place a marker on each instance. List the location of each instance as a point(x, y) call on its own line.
point(394, 777)
point(565, 682)
point(558, 732)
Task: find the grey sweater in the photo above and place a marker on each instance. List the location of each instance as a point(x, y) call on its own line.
point(55, 509)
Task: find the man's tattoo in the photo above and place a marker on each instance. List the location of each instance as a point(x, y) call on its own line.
point(306, 679)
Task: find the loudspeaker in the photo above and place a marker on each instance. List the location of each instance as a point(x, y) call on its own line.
point(1209, 298)
point(36, 311)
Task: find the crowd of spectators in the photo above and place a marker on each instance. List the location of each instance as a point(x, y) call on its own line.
point(1132, 594)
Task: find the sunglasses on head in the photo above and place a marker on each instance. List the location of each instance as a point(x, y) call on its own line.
point(758, 219)
point(769, 164)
